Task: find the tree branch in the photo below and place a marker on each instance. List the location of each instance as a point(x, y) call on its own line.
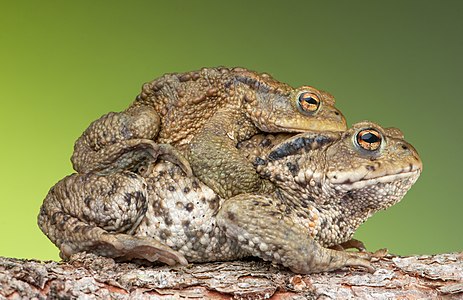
point(86, 275)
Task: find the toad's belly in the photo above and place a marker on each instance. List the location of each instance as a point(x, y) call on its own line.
point(182, 215)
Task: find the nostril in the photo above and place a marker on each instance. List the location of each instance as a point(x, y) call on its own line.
point(336, 113)
point(404, 147)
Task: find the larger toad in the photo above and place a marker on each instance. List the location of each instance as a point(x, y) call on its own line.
point(326, 185)
point(205, 114)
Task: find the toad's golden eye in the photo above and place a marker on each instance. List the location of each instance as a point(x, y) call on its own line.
point(308, 102)
point(369, 139)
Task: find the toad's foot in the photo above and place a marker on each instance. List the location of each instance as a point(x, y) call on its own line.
point(127, 247)
point(264, 230)
point(165, 152)
point(350, 244)
point(356, 244)
point(377, 254)
point(133, 155)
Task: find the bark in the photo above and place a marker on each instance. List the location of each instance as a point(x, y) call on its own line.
point(87, 276)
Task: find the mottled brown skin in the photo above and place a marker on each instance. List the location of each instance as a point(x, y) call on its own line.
point(325, 186)
point(205, 114)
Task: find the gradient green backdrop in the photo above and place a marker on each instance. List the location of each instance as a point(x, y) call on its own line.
point(398, 63)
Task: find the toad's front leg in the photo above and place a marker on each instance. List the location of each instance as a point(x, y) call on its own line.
point(97, 214)
point(123, 141)
point(260, 228)
point(217, 162)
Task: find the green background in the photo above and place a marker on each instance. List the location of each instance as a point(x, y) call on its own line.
point(398, 63)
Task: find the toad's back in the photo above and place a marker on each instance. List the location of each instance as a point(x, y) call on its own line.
point(185, 101)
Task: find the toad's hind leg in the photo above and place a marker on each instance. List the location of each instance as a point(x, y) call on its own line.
point(92, 213)
point(123, 141)
point(262, 229)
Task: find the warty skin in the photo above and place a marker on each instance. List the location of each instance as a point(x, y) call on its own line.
point(195, 119)
point(324, 186)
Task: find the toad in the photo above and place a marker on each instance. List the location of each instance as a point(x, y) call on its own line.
point(204, 114)
point(325, 186)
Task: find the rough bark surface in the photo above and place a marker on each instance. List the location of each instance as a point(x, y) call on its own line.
point(88, 276)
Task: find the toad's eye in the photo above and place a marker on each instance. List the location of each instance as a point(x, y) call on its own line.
point(308, 102)
point(369, 139)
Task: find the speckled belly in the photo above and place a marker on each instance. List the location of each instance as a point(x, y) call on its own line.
point(181, 214)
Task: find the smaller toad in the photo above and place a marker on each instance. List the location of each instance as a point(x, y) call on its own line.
point(204, 114)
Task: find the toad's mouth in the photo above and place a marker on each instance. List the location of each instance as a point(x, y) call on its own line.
point(283, 125)
point(387, 178)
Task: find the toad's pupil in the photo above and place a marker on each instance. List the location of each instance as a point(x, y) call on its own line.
point(310, 100)
point(370, 138)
